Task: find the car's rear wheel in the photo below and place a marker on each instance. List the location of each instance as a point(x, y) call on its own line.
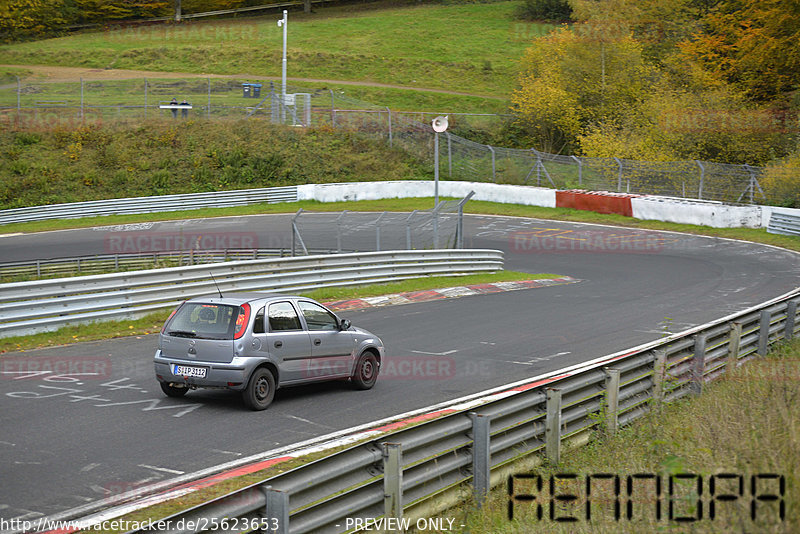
point(172, 391)
point(260, 390)
point(366, 372)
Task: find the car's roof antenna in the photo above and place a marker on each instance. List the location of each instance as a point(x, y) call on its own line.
point(215, 283)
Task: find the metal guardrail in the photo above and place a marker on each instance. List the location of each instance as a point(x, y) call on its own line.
point(45, 305)
point(783, 223)
point(104, 263)
point(115, 206)
point(426, 465)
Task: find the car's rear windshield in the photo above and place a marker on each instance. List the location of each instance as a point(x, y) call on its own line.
point(203, 321)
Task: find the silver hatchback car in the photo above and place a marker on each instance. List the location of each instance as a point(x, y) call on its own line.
point(255, 343)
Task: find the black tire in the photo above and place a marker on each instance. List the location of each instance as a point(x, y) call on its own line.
point(172, 391)
point(260, 390)
point(366, 371)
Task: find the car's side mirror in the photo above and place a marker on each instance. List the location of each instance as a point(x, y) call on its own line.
point(344, 324)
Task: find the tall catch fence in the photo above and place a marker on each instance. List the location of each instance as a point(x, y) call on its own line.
point(71, 104)
point(437, 228)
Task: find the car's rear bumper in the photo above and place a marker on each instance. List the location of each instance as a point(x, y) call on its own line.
point(218, 375)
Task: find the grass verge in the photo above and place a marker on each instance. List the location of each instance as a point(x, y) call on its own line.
point(151, 323)
point(745, 424)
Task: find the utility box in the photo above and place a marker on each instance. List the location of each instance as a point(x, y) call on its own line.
point(251, 90)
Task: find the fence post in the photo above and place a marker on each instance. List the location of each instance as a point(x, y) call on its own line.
point(733, 347)
point(333, 110)
point(449, 155)
point(612, 399)
point(145, 98)
point(208, 109)
point(619, 177)
point(552, 432)
point(389, 111)
point(481, 457)
point(763, 332)
point(702, 179)
point(659, 373)
point(393, 480)
point(82, 102)
point(276, 511)
point(698, 364)
point(580, 170)
point(494, 170)
point(791, 314)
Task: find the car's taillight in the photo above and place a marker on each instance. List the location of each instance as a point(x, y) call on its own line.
point(242, 320)
point(168, 318)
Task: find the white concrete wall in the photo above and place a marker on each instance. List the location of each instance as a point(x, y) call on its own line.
point(505, 194)
point(653, 208)
point(714, 214)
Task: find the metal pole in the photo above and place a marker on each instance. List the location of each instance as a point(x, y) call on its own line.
point(208, 109)
point(389, 111)
point(702, 179)
point(619, 177)
point(612, 400)
point(481, 457)
point(285, 24)
point(393, 480)
point(19, 106)
point(494, 173)
point(698, 364)
point(659, 372)
point(333, 110)
point(763, 332)
point(177, 10)
point(553, 426)
point(449, 155)
point(145, 98)
point(580, 170)
point(733, 347)
point(276, 511)
point(82, 102)
point(791, 314)
point(435, 169)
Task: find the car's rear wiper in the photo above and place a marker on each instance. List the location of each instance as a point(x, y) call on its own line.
point(182, 333)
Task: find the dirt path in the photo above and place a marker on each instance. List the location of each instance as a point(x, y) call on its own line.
point(49, 73)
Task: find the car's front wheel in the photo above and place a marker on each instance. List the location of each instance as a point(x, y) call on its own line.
point(260, 390)
point(366, 372)
point(172, 391)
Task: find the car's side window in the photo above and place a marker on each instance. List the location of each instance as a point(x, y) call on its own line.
point(282, 317)
point(317, 317)
point(258, 322)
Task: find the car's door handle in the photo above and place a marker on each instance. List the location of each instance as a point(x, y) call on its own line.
point(317, 341)
point(278, 344)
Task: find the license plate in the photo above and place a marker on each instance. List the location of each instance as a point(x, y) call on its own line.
point(185, 370)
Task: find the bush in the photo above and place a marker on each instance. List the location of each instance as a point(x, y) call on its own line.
point(550, 10)
point(781, 182)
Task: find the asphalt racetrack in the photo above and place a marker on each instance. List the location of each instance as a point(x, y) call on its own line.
point(68, 440)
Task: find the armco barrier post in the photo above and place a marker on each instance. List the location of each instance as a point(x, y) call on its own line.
point(552, 432)
point(393, 480)
point(612, 399)
point(791, 314)
point(763, 332)
point(276, 512)
point(659, 370)
point(481, 457)
point(733, 347)
point(698, 364)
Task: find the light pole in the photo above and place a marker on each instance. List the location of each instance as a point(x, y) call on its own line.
point(439, 125)
point(284, 23)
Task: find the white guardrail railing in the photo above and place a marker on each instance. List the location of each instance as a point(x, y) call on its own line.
point(44, 305)
point(116, 206)
point(419, 471)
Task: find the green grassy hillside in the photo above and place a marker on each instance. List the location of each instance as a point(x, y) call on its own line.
point(158, 157)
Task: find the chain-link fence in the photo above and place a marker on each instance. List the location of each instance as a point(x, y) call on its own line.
point(435, 228)
point(49, 105)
